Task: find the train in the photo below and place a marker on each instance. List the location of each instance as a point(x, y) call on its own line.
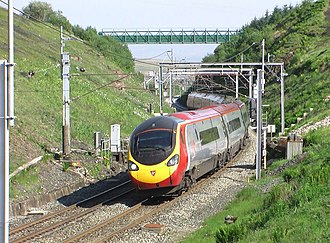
point(169, 153)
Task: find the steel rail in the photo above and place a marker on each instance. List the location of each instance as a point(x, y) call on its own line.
point(62, 211)
point(202, 182)
point(105, 222)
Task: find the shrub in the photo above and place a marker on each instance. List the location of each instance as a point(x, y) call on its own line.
point(230, 233)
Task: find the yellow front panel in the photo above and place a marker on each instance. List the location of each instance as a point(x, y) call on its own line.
point(155, 173)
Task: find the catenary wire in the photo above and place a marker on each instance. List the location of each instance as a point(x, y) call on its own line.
point(148, 58)
point(133, 59)
point(98, 88)
point(77, 39)
point(240, 52)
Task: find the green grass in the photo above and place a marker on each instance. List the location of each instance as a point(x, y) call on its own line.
point(299, 37)
point(295, 210)
point(25, 181)
point(38, 100)
point(241, 206)
point(95, 105)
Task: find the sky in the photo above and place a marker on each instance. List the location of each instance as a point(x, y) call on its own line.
point(163, 14)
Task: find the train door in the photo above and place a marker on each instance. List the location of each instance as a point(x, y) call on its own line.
point(236, 130)
point(222, 141)
point(193, 145)
point(208, 139)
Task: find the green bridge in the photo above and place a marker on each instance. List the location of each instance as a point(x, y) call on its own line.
point(182, 36)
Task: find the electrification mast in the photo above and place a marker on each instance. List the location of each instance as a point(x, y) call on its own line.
point(65, 70)
point(6, 121)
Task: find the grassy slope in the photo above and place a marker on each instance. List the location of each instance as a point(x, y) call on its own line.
point(300, 37)
point(304, 42)
point(38, 100)
point(297, 209)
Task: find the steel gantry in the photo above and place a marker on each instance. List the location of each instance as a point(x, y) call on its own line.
point(182, 36)
point(235, 71)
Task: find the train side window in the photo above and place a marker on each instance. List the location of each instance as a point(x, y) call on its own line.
point(244, 115)
point(209, 135)
point(216, 122)
point(234, 125)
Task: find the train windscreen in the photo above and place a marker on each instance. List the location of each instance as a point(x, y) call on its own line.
point(153, 146)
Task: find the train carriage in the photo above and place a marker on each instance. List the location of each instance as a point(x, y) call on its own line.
point(171, 152)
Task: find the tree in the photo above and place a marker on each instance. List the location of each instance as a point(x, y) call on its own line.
point(39, 10)
point(57, 19)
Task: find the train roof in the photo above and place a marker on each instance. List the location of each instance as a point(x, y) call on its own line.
point(170, 121)
point(158, 122)
point(228, 108)
point(210, 111)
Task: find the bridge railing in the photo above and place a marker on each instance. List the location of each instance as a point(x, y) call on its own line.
point(182, 36)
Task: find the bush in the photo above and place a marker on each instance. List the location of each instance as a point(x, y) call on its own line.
point(39, 10)
point(230, 233)
point(109, 47)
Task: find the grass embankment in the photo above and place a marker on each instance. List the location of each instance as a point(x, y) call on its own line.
point(100, 96)
point(296, 209)
point(299, 36)
point(293, 206)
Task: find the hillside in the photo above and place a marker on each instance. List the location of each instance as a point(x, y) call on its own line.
point(299, 36)
point(104, 94)
point(290, 203)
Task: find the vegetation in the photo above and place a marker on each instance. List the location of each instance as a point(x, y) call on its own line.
point(295, 206)
point(299, 37)
point(294, 210)
point(108, 92)
point(106, 45)
point(27, 181)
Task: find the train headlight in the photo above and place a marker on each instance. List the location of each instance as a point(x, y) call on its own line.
point(132, 166)
point(173, 161)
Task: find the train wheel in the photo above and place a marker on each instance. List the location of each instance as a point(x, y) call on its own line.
point(218, 165)
point(186, 184)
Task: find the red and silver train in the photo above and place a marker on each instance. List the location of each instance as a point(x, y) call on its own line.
point(170, 152)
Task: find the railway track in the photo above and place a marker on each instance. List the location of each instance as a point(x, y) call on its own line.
point(148, 208)
point(51, 228)
point(62, 217)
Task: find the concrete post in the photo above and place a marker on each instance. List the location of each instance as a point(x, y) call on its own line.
point(236, 80)
point(10, 64)
point(171, 88)
point(66, 103)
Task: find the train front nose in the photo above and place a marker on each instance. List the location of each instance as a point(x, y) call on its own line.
point(163, 174)
point(152, 176)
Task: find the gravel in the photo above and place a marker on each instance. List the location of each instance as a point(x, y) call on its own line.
point(188, 214)
point(184, 217)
